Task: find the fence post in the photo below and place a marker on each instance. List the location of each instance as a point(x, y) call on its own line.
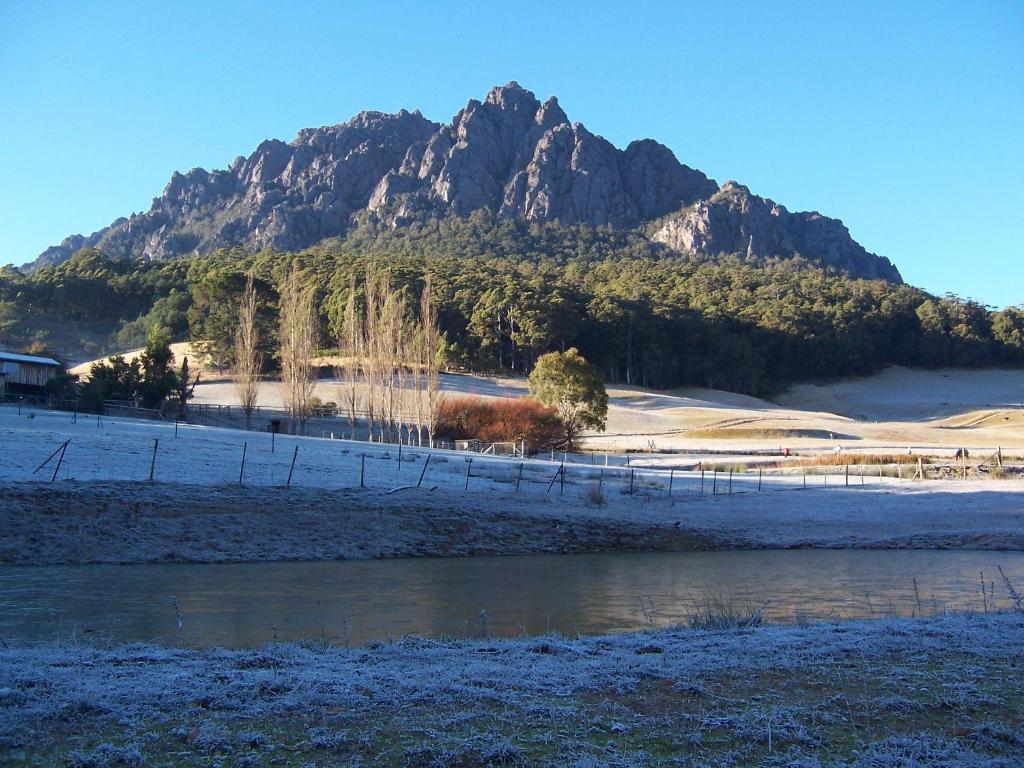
point(175, 427)
point(631, 481)
point(241, 469)
point(423, 471)
point(399, 450)
point(553, 478)
point(362, 469)
point(152, 461)
point(600, 480)
point(561, 481)
point(60, 460)
point(273, 439)
point(60, 448)
point(730, 481)
point(671, 480)
point(714, 482)
point(469, 470)
point(519, 479)
point(847, 474)
point(291, 469)
point(758, 479)
point(805, 478)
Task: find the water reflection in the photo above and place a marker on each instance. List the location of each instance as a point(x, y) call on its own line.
point(249, 604)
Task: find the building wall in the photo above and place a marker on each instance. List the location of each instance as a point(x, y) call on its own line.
point(29, 375)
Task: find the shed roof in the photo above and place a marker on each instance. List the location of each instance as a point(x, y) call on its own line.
point(13, 357)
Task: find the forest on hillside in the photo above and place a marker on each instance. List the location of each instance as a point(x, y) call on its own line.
point(508, 291)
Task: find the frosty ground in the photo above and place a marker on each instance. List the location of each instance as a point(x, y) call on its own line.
point(301, 498)
point(939, 411)
point(940, 691)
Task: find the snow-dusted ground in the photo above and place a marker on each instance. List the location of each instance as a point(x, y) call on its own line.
point(905, 393)
point(933, 412)
point(197, 510)
point(945, 691)
point(122, 449)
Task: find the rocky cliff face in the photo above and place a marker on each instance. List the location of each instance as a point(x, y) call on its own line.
point(517, 157)
point(510, 154)
point(285, 196)
point(734, 221)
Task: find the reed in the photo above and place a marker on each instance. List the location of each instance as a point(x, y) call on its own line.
point(1015, 596)
point(718, 613)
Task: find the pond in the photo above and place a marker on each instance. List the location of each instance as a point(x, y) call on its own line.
point(352, 602)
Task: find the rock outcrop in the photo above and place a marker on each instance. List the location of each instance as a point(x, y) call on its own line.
point(734, 221)
point(509, 154)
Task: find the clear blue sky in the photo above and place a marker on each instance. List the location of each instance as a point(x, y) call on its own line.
point(904, 119)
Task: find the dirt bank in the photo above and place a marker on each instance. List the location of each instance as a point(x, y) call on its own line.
point(98, 522)
point(110, 522)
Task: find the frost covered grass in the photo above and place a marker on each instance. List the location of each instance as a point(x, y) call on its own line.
point(356, 500)
point(940, 691)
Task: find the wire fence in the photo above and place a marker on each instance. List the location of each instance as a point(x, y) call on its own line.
point(58, 446)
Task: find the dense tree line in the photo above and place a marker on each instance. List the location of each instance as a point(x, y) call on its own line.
point(507, 292)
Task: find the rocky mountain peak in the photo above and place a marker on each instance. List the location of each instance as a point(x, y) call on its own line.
point(509, 154)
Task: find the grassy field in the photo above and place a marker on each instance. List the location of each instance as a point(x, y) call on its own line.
point(925, 692)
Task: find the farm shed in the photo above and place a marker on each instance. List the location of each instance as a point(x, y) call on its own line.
point(26, 372)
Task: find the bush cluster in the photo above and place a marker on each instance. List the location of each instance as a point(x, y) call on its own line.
point(501, 420)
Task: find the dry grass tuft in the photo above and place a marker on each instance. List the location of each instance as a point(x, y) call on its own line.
point(593, 496)
point(719, 613)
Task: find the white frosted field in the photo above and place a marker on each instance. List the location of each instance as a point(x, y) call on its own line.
point(933, 412)
point(831, 510)
point(122, 449)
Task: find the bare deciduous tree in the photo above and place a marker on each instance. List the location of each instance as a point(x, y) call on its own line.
point(432, 358)
point(390, 363)
point(371, 357)
point(298, 336)
point(418, 379)
point(352, 346)
point(390, 343)
point(248, 358)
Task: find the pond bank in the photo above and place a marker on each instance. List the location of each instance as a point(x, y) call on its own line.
point(944, 690)
point(135, 522)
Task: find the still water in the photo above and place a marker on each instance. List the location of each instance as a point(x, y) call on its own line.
point(240, 605)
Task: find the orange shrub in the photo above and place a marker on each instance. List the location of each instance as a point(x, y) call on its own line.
point(501, 421)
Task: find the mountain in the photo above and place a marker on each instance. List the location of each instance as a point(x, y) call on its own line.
point(509, 154)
